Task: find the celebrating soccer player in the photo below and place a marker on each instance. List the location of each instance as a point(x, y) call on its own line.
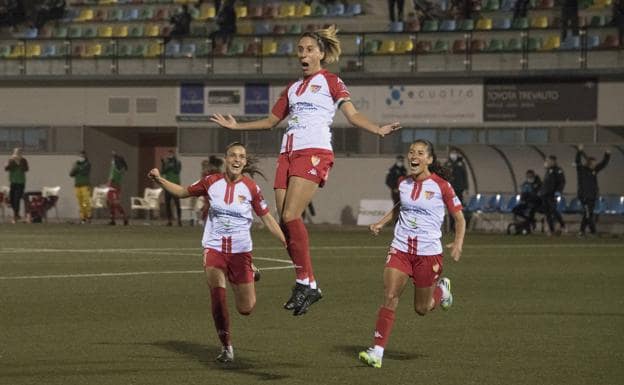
point(416, 251)
point(306, 154)
point(227, 238)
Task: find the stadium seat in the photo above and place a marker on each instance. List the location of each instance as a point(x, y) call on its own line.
point(5, 51)
point(319, 10)
point(475, 203)
point(154, 49)
point(552, 43)
point(477, 46)
point(598, 21)
point(262, 28)
point(237, 47)
point(539, 22)
point(75, 32)
point(172, 49)
point(105, 31)
point(610, 42)
point(85, 15)
point(371, 47)
point(448, 25)
point(254, 11)
point(396, 26)
point(508, 5)
point(493, 204)
point(124, 50)
point(295, 29)
point(593, 41)
point(495, 45)
point(534, 44)
point(561, 203)
point(423, 46)
point(206, 12)
point(353, 9)
point(459, 46)
point(187, 50)
point(161, 14)
point(152, 30)
point(502, 23)
point(484, 24)
point(511, 203)
point(336, 9)
point(491, 5)
point(89, 32)
point(92, 50)
point(99, 15)
point(466, 25)
point(285, 48)
point(45, 32)
point(404, 46)
point(286, 10)
point(241, 11)
point(120, 31)
point(49, 50)
point(146, 14)
point(387, 46)
point(430, 26)
point(203, 49)
point(412, 26)
point(441, 46)
point(269, 47)
point(139, 50)
point(17, 51)
point(303, 10)
point(243, 29)
point(78, 50)
point(99, 198)
point(601, 206)
point(574, 207)
point(617, 206)
point(130, 14)
point(513, 45)
point(33, 50)
point(601, 4)
point(114, 14)
point(136, 31)
point(571, 43)
point(520, 23)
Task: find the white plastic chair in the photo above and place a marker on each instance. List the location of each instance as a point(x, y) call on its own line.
point(149, 202)
point(4, 198)
point(99, 198)
point(51, 193)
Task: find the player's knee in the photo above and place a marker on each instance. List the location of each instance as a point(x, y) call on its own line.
point(289, 215)
point(421, 310)
point(391, 300)
point(246, 309)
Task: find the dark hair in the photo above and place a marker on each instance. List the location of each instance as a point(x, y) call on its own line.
point(251, 168)
point(435, 166)
point(552, 157)
point(328, 43)
point(529, 171)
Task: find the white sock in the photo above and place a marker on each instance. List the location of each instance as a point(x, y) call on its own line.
point(303, 281)
point(378, 350)
point(313, 285)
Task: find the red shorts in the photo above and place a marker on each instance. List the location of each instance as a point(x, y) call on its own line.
point(237, 266)
point(424, 269)
point(310, 163)
point(113, 194)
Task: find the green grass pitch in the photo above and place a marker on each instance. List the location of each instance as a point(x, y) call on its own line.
point(129, 305)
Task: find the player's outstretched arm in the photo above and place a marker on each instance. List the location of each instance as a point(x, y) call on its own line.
point(230, 122)
point(360, 120)
point(172, 188)
point(274, 228)
point(460, 229)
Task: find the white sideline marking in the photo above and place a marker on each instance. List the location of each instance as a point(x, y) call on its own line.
point(134, 273)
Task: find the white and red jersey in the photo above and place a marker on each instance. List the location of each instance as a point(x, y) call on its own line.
point(311, 103)
point(418, 230)
point(230, 215)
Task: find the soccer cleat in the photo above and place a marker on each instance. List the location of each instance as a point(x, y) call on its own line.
point(297, 297)
point(447, 296)
point(226, 355)
point(369, 357)
point(256, 272)
point(311, 296)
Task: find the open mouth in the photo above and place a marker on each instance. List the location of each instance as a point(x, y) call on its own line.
point(414, 164)
point(304, 65)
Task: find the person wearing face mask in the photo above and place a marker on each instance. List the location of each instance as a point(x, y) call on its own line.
point(81, 171)
point(396, 172)
point(529, 203)
point(587, 190)
point(552, 187)
point(16, 166)
point(170, 168)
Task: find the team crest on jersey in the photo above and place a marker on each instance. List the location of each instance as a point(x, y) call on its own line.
point(314, 88)
point(436, 268)
point(241, 198)
point(315, 160)
point(429, 194)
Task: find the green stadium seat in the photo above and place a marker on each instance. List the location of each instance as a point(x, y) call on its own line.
point(495, 45)
point(441, 46)
point(237, 47)
point(513, 45)
point(466, 25)
point(60, 32)
point(491, 5)
point(520, 23)
point(75, 32)
point(136, 31)
point(430, 26)
point(139, 50)
point(534, 44)
point(371, 47)
point(89, 32)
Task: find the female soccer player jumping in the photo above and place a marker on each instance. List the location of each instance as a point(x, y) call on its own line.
point(306, 154)
point(227, 239)
point(416, 251)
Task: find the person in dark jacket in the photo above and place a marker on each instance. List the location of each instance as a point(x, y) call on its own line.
point(395, 172)
point(459, 179)
point(569, 18)
point(552, 187)
point(226, 24)
point(170, 168)
point(181, 24)
point(587, 171)
point(530, 201)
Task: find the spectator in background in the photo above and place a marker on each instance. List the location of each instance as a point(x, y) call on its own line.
point(520, 9)
point(49, 10)
point(181, 24)
point(569, 18)
point(117, 170)
point(554, 182)
point(618, 19)
point(396, 172)
point(226, 24)
point(17, 167)
point(587, 171)
point(530, 201)
point(399, 5)
point(81, 172)
point(170, 168)
point(459, 178)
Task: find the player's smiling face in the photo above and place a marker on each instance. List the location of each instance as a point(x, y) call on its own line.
point(310, 55)
point(235, 161)
point(419, 160)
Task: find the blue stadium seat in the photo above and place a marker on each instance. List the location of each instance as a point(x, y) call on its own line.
point(172, 49)
point(396, 26)
point(262, 29)
point(617, 206)
point(353, 9)
point(285, 48)
point(561, 203)
point(574, 207)
point(336, 9)
point(508, 5)
point(601, 206)
point(502, 23)
point(511, 203)
point(593, 41)
point(448, 25)
point(475, 203)
point(493, 204)
point(571, 43)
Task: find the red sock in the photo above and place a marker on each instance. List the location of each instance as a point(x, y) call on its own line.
point(299, 248)
point(383, 327)
point(220, 314)
point(437, 296)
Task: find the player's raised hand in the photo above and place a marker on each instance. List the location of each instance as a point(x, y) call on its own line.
point(154, 174)
point(375, 228)
point(456, 250)
point(389, 128)
point(225, 121)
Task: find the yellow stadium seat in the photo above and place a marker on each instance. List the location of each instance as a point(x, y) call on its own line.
point(600, 4)
point(105, 31)
point(206, 12)
point(33, 50)
point(152, 30)
point(539, 22)
point(552, 43)
point(269, 47)
point(244, 29)
point(484, 24)
point(154, 50)
point(17, 51)
point(303, 10)
point(387, 46)
point(92, 50)
point(286, 10)
point(85, 15)
point(241, 11)
point(107, 2)
point(120, 31)
point(403, 46)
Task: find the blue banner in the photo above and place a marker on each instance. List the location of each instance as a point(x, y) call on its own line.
point(256, 99)
point(192, 98)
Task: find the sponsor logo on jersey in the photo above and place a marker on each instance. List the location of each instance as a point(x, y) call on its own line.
point(429, 194)
point(314, 88)
point(315, 160)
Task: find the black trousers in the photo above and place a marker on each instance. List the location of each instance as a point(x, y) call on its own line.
point(15, 196)
point(400, 5)
point(551, 213)
point(168, 198)
point(589, 219)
